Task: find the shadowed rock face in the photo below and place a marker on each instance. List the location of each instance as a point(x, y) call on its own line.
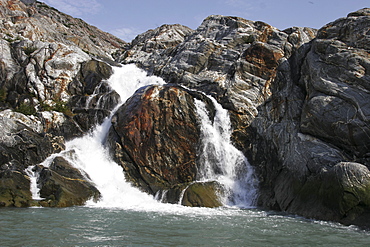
point(310, 140)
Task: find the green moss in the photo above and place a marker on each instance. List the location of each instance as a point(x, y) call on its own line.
point(26, 109)
point(59, 106)
point(3, 95)
point(29, 50)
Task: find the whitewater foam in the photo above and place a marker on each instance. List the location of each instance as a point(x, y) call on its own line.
point(90, 156)
point(221, 161)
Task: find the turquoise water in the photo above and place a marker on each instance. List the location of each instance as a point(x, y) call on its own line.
point(84, 226)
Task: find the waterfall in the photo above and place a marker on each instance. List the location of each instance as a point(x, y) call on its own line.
point(221, 161)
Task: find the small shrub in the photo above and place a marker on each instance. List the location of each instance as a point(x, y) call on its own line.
point(26, 109)
point(45, 107)
point(62, 107)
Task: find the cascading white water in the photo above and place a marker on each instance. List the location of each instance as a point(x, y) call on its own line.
point(221, 161)
point(90, 156)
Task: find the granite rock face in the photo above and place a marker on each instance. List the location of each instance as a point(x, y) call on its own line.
point(298, 100)
point(230, 58)
point(47, 72)
point(310, 140)
point(46, 76)
point(299, 105)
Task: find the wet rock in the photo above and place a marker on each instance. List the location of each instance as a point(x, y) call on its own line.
point(93, 99)
point(14, 189)
point(62, 185)
point(203, 194)
point(154, 137)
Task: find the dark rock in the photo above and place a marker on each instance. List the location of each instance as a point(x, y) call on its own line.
point(90, 75)
point(62, 185)
point(308, 134)
point(93, 99)
point(14, 189)
point(336, 75)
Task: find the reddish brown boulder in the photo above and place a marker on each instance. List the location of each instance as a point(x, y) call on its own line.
point(154, 137)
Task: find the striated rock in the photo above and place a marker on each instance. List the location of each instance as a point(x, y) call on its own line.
point(230, 58)
point(39, 22)
point(21, 147)
point(336, 76)
point(62, 185)
point(298, 105)
point(22, 144)
point(154, 46)
point(44, 69)
point(310, 136)
point(154, 137)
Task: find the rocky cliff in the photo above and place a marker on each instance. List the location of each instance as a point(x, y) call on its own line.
point(299, 103)
point(50, 63)
point(298, 100)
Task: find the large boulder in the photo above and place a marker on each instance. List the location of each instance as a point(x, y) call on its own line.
point(154, 137)
point(203, 194)
point(14, 189)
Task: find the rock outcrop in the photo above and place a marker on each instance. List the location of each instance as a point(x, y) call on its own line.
point(50, 64)
point(298, 100)
point(299, 106)
point(62, 185)
point(310, 136)
point(46, 70)
point(230, 58)
point(20, 147)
